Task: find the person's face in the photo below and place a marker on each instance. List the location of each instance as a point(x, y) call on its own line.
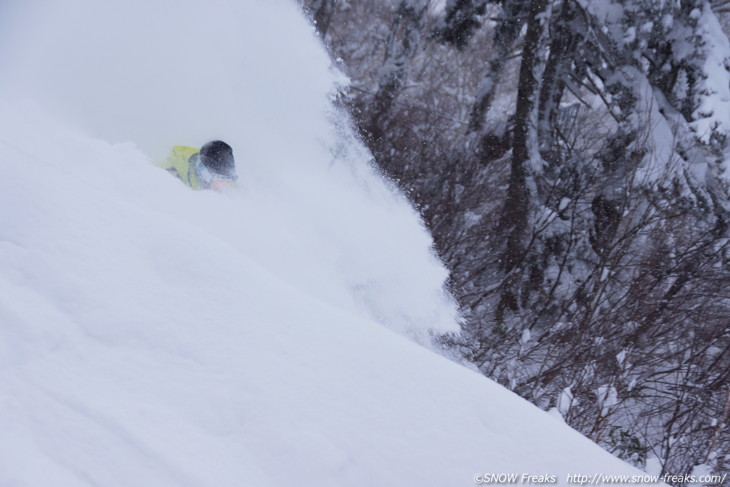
point(219, 184)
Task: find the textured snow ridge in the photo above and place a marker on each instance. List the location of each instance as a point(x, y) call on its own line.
point(151, 335)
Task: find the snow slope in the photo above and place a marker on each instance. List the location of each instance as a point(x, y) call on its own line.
point(151, 335)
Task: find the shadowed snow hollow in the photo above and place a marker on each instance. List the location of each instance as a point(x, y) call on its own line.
point(155, 336)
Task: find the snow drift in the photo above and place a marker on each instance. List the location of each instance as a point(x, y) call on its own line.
point(153, 335)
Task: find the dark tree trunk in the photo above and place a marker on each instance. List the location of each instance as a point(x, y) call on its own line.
point(515, 214)
point(321, 12)
point(553, 82)
point(505, 36)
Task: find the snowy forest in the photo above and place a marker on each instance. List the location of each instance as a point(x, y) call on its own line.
point(571, 159)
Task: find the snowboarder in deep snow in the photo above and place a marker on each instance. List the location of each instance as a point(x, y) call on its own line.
point(210, 167)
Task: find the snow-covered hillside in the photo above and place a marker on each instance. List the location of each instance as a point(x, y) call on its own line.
point(151, 335)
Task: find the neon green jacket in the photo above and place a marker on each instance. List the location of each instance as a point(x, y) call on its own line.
point(179, 164)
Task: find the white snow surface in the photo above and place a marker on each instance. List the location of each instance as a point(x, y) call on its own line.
point(151, 335)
